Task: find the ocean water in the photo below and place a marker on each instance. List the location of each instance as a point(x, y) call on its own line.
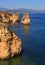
point(33, 41)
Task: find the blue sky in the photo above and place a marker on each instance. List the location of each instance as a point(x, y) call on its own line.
point(31, 4)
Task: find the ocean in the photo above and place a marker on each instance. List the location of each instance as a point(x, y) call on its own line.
point(33, 41)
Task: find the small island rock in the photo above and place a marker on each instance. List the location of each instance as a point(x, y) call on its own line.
point(25, 19)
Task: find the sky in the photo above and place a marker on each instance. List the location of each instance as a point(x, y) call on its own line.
point(30, 4)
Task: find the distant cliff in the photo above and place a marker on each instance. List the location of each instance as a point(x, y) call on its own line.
point(3, 9)
point(21, 10)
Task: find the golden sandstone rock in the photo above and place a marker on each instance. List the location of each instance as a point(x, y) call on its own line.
point(10, 44)
point(26, 19)
point(8, 18)
point(4, 50)
point(15, 18)
point(16, 46)
point(4, 17)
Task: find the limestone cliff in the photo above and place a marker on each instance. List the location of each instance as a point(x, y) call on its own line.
point(9, 18)
point(10, 44)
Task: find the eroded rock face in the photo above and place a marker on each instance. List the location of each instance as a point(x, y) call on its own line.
point(10, 44)
point(4, 17)
point(26, 19)
point(8, 18)
point(15, 18)
point(4, 46)
point(16, 46)
point(4, 50)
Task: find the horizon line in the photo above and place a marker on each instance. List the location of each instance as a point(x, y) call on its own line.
point(22, 8)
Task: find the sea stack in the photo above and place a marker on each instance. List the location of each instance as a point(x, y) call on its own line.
point(25, 19)
point(10, 44)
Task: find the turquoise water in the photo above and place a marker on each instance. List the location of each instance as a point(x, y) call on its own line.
point(33, 41)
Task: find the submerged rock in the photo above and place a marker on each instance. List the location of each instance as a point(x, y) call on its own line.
point(10, 44)
point(26, 19)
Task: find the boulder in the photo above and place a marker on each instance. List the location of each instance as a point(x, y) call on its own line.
point(25, 19)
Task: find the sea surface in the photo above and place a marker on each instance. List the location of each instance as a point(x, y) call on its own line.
point(33, 41)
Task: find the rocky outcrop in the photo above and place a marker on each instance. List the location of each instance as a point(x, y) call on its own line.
point(10, 44)
point(16, 46)
point(26, 19)
point(8, 18)
point(4, 46)
point(4, 17)
point(15, 18)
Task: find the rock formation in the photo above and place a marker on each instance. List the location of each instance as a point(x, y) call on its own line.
point(4, 17)
point(15, 18)
point(26, 19)
point(16, 46)
point(8, 18)
point(10, 44)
